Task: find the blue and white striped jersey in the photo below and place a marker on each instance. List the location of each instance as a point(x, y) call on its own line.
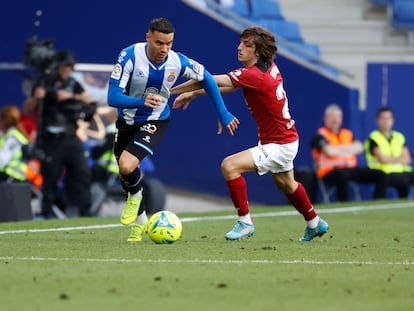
point(134, 76)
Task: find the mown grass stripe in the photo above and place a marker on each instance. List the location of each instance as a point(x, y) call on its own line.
point(350, 209)
point(206, 261)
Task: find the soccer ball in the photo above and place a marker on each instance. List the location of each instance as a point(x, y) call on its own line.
point(164, 227)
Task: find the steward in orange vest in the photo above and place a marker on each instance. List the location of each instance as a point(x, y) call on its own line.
point(324, 163)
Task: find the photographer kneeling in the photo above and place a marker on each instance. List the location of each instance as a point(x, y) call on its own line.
point(60, 102)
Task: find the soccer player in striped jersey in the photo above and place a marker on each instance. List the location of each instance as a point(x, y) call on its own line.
point(139, 88)
point(262, 85)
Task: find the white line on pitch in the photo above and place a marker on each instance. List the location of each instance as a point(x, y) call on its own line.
point(207, 261)
point(350, 209)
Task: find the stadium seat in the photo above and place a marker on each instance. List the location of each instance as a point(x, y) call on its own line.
point(266, 9)
point(403, 14)
point(311, 49)
point(241, 7)
point(288, 30)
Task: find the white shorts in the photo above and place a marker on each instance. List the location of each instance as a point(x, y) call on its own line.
point(274, 158)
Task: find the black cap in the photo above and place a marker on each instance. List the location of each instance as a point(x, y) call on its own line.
point(64, 58)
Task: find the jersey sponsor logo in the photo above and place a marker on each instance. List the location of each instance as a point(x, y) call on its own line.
point(116, 72)
point(121, 56)
point(151, 90)
point(196, 66)
point(264, 152)
point(150, 128)
point(235, 74)
point(147, 139)
point(171, 77)
point(290, 124)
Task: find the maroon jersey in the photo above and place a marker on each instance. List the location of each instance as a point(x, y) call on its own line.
point(267, 102)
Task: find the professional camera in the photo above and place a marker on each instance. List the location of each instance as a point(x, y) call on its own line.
point(40, 56)
point(74, 110)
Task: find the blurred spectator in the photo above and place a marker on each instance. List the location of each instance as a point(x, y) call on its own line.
point(386, 150)
point(61, 103)
point(12, 141)
point(335, 151)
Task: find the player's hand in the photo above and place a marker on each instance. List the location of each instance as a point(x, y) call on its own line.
point(183, 100)
point(152, 101)
point(231, 127)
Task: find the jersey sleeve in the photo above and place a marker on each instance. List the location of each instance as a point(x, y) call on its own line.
point(191, 69)
point(118, 82)
point(242, 77)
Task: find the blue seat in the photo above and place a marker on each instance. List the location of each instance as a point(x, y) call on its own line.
point(403, 14)
point(241, 7)
point(266, 9)
point(288, 30)
point(311, 49)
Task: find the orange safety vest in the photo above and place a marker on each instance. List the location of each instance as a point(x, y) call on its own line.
point(33, 173)
point(325, 164)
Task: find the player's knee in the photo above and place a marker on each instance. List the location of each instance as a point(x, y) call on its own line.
point(286, 186)
point(126, 167)
point(227, 166)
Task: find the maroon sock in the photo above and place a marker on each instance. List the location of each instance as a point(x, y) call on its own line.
point(301, 202)
point(238, 193)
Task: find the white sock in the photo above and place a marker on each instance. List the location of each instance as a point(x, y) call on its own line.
point(246, 219)
point(135, 195)
point(313, 223)
point(142, 218)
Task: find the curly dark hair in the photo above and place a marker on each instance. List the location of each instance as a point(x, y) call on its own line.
point(264, 41)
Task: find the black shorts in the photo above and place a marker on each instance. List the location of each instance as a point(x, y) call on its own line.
point(139, 139)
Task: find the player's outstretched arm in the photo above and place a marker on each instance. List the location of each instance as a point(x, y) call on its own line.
point(184, 99)
point(190, 85)
point(226, 118)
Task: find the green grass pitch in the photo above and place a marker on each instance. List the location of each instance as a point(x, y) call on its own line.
point(364, 262)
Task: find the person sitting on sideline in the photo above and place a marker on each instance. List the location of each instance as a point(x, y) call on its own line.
point(335, 151)
point(12, 140)
point(386, 150)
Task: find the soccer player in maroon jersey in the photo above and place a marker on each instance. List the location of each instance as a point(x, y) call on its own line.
point(262, 85)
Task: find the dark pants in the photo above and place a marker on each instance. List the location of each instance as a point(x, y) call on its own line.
point(340, 178)
point(401, 182)
point(65, 155)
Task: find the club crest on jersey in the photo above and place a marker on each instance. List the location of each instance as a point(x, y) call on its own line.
point(171, 77)
point(116, 72)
